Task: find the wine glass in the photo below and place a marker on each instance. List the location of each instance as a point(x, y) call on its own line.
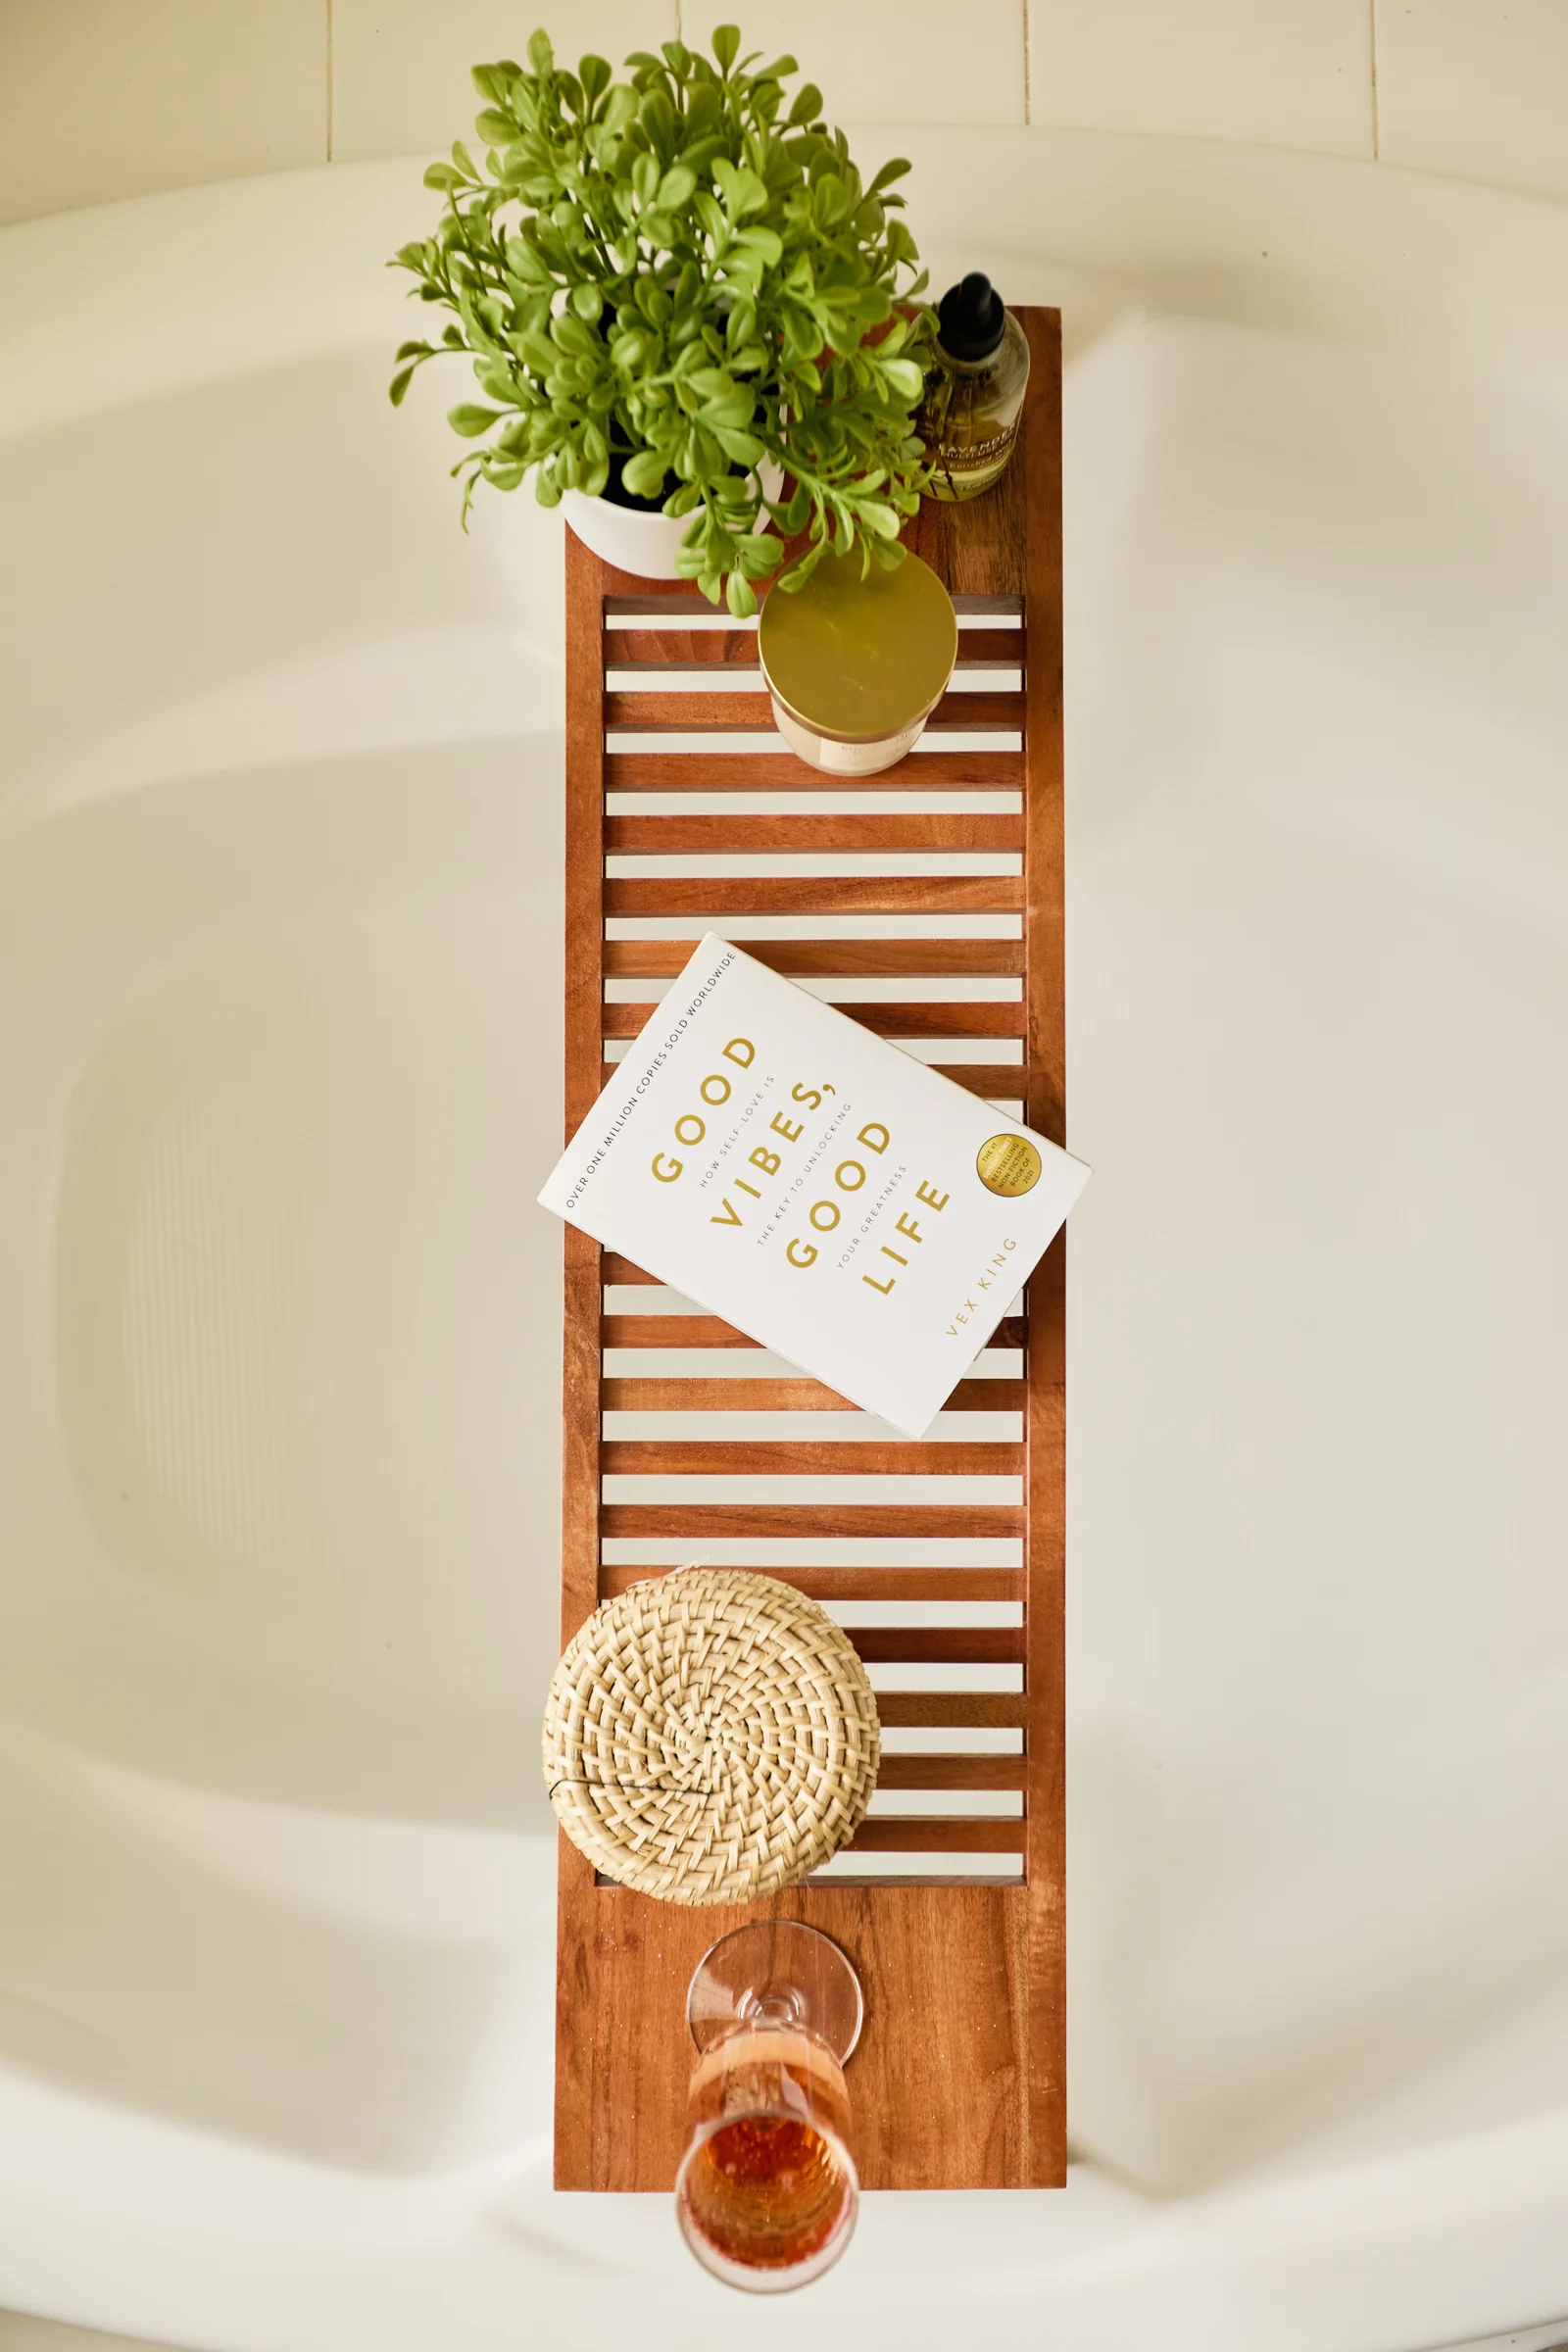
point(767, 2192)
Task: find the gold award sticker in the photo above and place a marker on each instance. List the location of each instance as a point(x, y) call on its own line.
point(1007, 1164)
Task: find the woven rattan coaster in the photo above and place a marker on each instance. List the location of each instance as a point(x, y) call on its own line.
point(710, 1737)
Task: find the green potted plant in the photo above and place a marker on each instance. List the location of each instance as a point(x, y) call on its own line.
point(674, 290)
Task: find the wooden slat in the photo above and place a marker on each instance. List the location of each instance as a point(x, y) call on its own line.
point(886, 1020)
point(1002, 1883)
point(616, 1268)
point(927, 1710)
point(709, 1331)
point(711, 1396)
point(673, 651)
point(951, 1772)
point(940, 1645)
point(1009, 1081)
point(702, 836)
point(937, 1834)
point(780, 771)
point(700, 713)
point(678, 649)
point(672, 1331)
point(860, 1584)
point(807, 1457)
point(795, 1520)
point(811, 894)
point(830, 959)
point(659, 607)
point(998, 1081)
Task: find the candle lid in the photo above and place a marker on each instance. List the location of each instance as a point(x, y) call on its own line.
point(859, 659)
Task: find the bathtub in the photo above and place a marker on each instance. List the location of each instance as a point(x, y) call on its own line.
point(280, 942)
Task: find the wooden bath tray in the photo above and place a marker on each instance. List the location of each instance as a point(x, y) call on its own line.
point(952, 1911)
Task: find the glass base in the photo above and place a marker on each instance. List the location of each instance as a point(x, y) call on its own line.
point(777, 1972)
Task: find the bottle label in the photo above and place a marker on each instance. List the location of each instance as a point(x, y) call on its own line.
point(974, 455)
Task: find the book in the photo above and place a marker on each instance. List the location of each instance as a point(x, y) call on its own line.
point(837, 1201)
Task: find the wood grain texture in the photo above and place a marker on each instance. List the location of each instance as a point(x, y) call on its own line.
point(674, 652)
point(707, 1331)
point(934, 2084)
point(960, 2078)
point(702, 836)
point(959, 713)
point(747, 1521)
point(928, 767)
point(952, 1772)
point(583, 1288)
point(829, 958)
point(802, 1457)
point(862, 1583)
point(938, 1834)
point(1045, 1487)
point(802, 894)
point(997, 1081)
point(708, 1395)
point(886, 1020)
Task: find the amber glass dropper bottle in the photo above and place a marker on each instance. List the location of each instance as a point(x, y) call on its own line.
point(974, 388)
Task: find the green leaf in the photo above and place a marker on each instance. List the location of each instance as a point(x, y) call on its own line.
point(676, 187)
point(594, 74)
point(765, 243)
point(495, 129)
point(759, 553)
point(657, 118)
point(744, 447)
point(904, 379)
point(879, 519)
point(644, 474)
point(540, 54)
point(587, 302)
point(741, 597)
point(398, 386)
point(469, 420)
point(727, 45)
point(442, 176)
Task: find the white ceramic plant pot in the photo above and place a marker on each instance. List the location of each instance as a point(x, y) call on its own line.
point(632, 539)
point(626, 536)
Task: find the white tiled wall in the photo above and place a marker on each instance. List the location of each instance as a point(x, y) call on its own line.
point(1283, 73)
point(103, 98)
point(399, 68)
point(1478, 89)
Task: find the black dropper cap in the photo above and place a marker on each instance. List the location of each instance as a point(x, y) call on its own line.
point(971, 319)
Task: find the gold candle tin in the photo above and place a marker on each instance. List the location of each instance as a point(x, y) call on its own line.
point(856, 668)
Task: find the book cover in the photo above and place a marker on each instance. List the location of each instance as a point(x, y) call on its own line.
point(835, 1200)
